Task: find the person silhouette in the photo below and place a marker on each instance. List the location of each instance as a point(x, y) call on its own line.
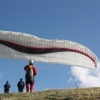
point(31, 72)
point(20, 85)
point(6, 87)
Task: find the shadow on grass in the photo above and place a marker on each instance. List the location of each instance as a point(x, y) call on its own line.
point(61, 98)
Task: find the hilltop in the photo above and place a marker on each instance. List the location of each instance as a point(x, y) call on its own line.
point(64, 94)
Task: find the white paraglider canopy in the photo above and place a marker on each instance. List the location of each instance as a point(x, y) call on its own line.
point(16, 45)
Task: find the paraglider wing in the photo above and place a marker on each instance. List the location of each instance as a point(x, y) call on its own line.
point(17, 45)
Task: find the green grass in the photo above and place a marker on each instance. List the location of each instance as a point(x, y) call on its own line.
point(65, 94)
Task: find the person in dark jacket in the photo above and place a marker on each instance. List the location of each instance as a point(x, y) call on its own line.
point(20, 85)
point(31, 71)
point(6, 87)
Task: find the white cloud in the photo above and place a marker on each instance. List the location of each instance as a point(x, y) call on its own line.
point(1, 91)
point(86, 77)
point(70, 79)
point(24, 91)
point(1, 74)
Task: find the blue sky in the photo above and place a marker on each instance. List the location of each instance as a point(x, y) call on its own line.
point(75, 20)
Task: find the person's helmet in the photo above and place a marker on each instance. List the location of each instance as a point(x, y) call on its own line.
point(31, 62)
point(7, 82)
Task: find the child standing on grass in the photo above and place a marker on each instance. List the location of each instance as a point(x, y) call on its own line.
point(20, 85)
point(6, 87)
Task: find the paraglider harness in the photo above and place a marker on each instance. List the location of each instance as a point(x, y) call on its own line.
point(29, 76)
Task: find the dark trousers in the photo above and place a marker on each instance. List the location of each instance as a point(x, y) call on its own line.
point(6, 90)
point(20, 89)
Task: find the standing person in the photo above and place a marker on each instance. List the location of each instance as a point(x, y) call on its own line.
point(20, 85)
point(6, 87)
point(31, 71)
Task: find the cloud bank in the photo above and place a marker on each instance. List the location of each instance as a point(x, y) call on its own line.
point(86, 77)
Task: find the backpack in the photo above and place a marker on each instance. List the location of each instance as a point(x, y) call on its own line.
point(29, 72)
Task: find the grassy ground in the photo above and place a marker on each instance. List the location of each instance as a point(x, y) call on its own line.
point(65, 94)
